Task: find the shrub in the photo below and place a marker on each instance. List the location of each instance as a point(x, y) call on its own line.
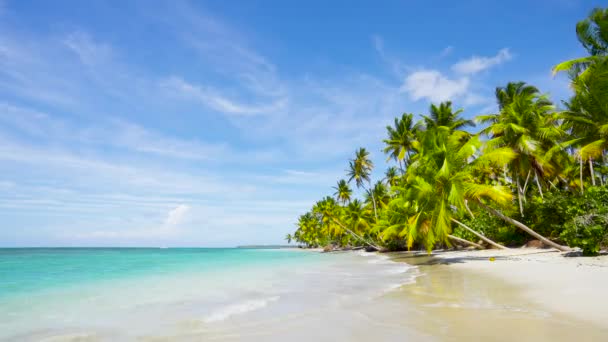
point(588, 232)
point(549, 215)
point(587, 227)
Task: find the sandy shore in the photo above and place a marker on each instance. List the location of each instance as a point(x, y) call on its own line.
point(541, 294)
point(570, 285)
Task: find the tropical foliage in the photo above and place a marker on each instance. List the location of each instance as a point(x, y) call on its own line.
point(528, 171)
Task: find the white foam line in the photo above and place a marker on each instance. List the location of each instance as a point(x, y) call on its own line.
point(239, 309)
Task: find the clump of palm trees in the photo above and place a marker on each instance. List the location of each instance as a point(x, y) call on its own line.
point(446, 174)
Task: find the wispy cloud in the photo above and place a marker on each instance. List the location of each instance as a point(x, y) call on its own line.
point(446, 51)
point(119, 147)
point(477, 64)
point(89, 52)
point(214, 100)
point(434, 86)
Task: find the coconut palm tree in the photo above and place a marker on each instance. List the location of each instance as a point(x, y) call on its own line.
point(390, 176)
point(586, 117)
point(360, 170)
point(526, 124)
point(444, 116)
point(330, 213)
point(401, 140)
point(381, 194)
point(288, 237)
point(592, 33)
point(343, 192)
point(442, 182)
point(357, 217)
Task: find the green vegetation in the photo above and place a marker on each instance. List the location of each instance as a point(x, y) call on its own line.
point(532, 171)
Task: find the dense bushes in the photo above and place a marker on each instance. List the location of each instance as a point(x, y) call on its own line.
point(563, 216)
point(587, 232)
point(578, 220)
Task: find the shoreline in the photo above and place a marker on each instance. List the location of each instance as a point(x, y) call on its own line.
point(572, 288)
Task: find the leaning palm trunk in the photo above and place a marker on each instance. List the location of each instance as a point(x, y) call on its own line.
point(524, 228)
point(540, 188)
point(466, 242)
point(371, 192)
point(354, 234)
point(591, 171)
point(478, 235)
point(519, 191)
point(525, 188)
point(581, 175)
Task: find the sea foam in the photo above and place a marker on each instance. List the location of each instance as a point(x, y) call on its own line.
point(239, 308)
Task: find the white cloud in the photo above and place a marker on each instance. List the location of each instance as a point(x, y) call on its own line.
point(477, 64)
point(446, 51)
point(115, 133)
point(213, 99)
point(434, 86)
point(176, 216)
point(378, 44)
point(120, 180)
point(89, 52)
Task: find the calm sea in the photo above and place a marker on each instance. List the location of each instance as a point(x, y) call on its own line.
point(184, 293)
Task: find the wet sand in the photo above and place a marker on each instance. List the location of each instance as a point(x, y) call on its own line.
point(464, 295)
point(447, 300)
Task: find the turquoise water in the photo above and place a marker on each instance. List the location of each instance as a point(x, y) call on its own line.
point(131, 293)
point(23, 270)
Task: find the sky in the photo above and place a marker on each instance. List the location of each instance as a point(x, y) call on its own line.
point(217, 123)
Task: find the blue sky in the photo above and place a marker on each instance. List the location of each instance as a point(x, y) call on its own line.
point(216, 123)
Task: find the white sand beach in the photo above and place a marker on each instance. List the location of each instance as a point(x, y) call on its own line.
point(570, 285)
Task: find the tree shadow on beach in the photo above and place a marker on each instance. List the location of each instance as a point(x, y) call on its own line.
point(424, 259)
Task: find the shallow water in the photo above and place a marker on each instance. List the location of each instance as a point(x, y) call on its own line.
point(262, 295)
point(122, 294)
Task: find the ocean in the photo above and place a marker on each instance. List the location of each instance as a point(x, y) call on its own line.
point(118, 294)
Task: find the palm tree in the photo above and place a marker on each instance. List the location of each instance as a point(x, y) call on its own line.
point(441, 180)
point(592, 33)
point(525, 123)
point(343, 191)
point(308, 231)
point(444, 116)
point(288, 237)
point(329, 213)
point(441, 185)
point(360, 170)
point(357, 217)
point(381, 194)
point(401, 140)
point(390, 176)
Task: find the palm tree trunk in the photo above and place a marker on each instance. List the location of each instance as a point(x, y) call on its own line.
point(524, 228)
point(521, 207)
point(540, 189)
point(581, 175)
point(601, 177)
point(467, 242)
point(478, 235)
point(353, 233)
point(373, 200)
point(466, 205)
point(591, 171)
point(525, 188)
